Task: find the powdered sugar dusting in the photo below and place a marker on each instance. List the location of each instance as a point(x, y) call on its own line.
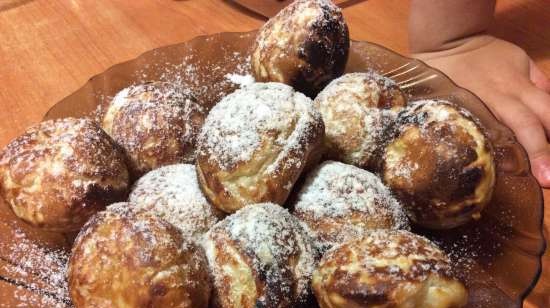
point(358, 109)
point(394, 255)
point(156, 123)
point(152, 93)
point(134, 223)
point(206, 77)
point(270, 236)
point(367, 87)
point(42, 271)
point(339, 193)
point(242, 80)
point(236, 127)
point(173, 193)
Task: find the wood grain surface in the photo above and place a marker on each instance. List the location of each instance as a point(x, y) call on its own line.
point(49, 48)
point(271, 7)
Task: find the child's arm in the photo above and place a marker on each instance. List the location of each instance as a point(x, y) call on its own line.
point(435, 25)
point(449, 35)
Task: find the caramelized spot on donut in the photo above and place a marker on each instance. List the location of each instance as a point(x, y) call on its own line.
point(440, 164)
point(305, 45)
point(387, 268)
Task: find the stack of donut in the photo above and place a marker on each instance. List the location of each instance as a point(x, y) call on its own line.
point(209, 221)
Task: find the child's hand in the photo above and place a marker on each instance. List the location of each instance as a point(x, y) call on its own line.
point(510, 84)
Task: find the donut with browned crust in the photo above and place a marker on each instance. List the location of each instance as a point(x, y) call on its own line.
point(440, 164)
point(260, 257)
point(358, 109)
point(156, 123)
point(305, 45)
point(387, 268)
point(60, 172)
point(255, 143)
point(340, 202)
point(123, 259)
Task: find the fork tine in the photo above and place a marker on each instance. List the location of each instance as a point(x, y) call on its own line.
point(397, 69)
point(416, 80)
point(406, 71)
point(403, 69)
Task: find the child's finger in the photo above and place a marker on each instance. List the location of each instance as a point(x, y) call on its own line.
point(531, 134)
point(539, 78)
point(539, 102)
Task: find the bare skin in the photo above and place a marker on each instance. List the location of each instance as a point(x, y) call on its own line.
point(450, 36)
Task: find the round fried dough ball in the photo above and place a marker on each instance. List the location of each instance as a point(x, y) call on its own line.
point(126, 259)
point(387, 268)
point(440, 165)
point(358, 109)
point(173, 193)
point(156, 124)
point(260, 257)
point(60, 172)
point(340, 202)
point(305, 45)
point(254, 145)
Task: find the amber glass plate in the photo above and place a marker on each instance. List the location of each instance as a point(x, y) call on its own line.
point(499, 256)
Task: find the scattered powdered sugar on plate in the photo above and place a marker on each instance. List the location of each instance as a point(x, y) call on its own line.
point(471, 244)
point(206, 78)
point(173, 193)
point(39, 273)
point(242, 80)
point(210, 79)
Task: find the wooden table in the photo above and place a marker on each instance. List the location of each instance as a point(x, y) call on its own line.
point(49, 48)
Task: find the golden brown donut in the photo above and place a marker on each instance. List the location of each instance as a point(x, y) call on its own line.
point(357, 109)
point(305, 45)
point(387, 268)
point(60, 172)
point(440, 165)
point(173, 193)
point(156, 123)
point(254, 145)
point(126, 259)
point(340, 202)
point(259, 257)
